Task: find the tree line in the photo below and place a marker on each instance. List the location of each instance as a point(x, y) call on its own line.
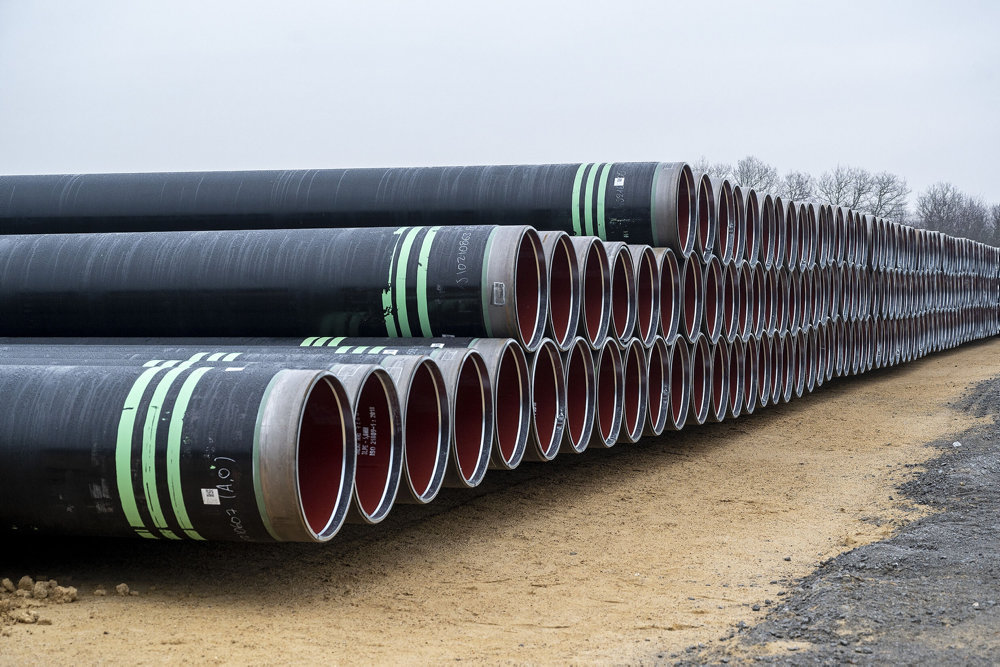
point(941, 206)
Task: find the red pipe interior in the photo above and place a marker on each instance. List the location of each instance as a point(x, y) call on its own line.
point(646, 285)
point(607, 392)
point(321, 454)
point(424, 429)
point(528, 288)
point(510, 397)
point(621, 292)
point(561, 295)
point(373, 421)
point(678, 380)
point(656, 383)
point(577, 393)
point(633, 389)
point(545, 394)
point(719, 363)
point(593, 292)
point(470, 417)
point(669, 290)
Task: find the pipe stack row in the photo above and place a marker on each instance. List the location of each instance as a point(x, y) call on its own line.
point(265, 355)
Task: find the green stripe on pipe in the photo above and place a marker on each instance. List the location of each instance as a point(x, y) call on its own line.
point(487, 289)
point(422, 263)
point(123, 448)
point(344, 349)
point(360, 349)
point(588, 197)
point(149, 448)
point(174, 433)
point(308, 341)
point(387, 310)
point(601, 191)
point(577, 182)
point(258, 487)
point(336, 341)
point(231, 356)
point(402, 315)
point(321, 341)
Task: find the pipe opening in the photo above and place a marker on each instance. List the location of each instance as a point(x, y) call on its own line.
point(736, 380)
point(749, 376)
point(713, 287)
point(593, 293)
point(470, 417)
point(322, 459)
point(705, 215)
point(607, 393)
point(546, 403)
point(657, 387)
point(692, 290)
point(510, 395)
point(719, 384)
point(528, 289)
point(669, 295)
point(646, 285)
point(562, 291)
point(633, 390)
point(621, 297)
point(373, 422)
point(578, 383)
point(699, 380)
point(425, 428)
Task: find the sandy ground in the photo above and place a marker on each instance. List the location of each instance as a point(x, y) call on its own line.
point(626, 555)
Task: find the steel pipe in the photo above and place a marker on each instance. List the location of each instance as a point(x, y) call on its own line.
point(648, 295)
point(693, 301)
point(657, 387)
point(564, 287)
point(479, 281)
point(624, 296)
point(595, 289)
point(581, 396)
point(610, 377)
point(671, 293)
point(701, 379)
point(259, 454)
point(636, 389)
point(548, 403)
point(680, 384)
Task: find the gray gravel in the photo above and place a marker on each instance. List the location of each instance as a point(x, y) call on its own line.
point(930, 595)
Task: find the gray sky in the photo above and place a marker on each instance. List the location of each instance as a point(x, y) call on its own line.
point(908, 87)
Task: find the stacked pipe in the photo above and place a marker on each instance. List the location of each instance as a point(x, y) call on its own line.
point(266, 355)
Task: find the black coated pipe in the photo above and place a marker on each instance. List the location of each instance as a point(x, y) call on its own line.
point(642, 202)
point(485, 430)
point(203, 453)
point(479, 281)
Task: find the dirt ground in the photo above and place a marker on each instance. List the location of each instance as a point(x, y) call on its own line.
point(680, 547)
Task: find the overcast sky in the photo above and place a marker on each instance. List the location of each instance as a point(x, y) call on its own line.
point(97, 86)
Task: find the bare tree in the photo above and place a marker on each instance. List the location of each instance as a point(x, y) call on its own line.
point(797, 186)
point(845, 186)
point(888, 197)
point(752, 172)
point(939, 207)
point(716, 170)
point(995, 222)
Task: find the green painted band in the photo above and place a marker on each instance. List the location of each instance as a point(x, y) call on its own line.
point(577, 182)
point(360, 349)
point(321, 341)
point(387, 309)
point(377, 349)
point(149, 430)
point(344, 349)
point(335, 341)
point(231, 356)
point(422, 265)
point(215, 356)
point(309, 341)
point(174, 440)
point(588, 197)
point(258, 487)
point(402, 313)
point(123, 448)
point(601, 192)
point(487, 289)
